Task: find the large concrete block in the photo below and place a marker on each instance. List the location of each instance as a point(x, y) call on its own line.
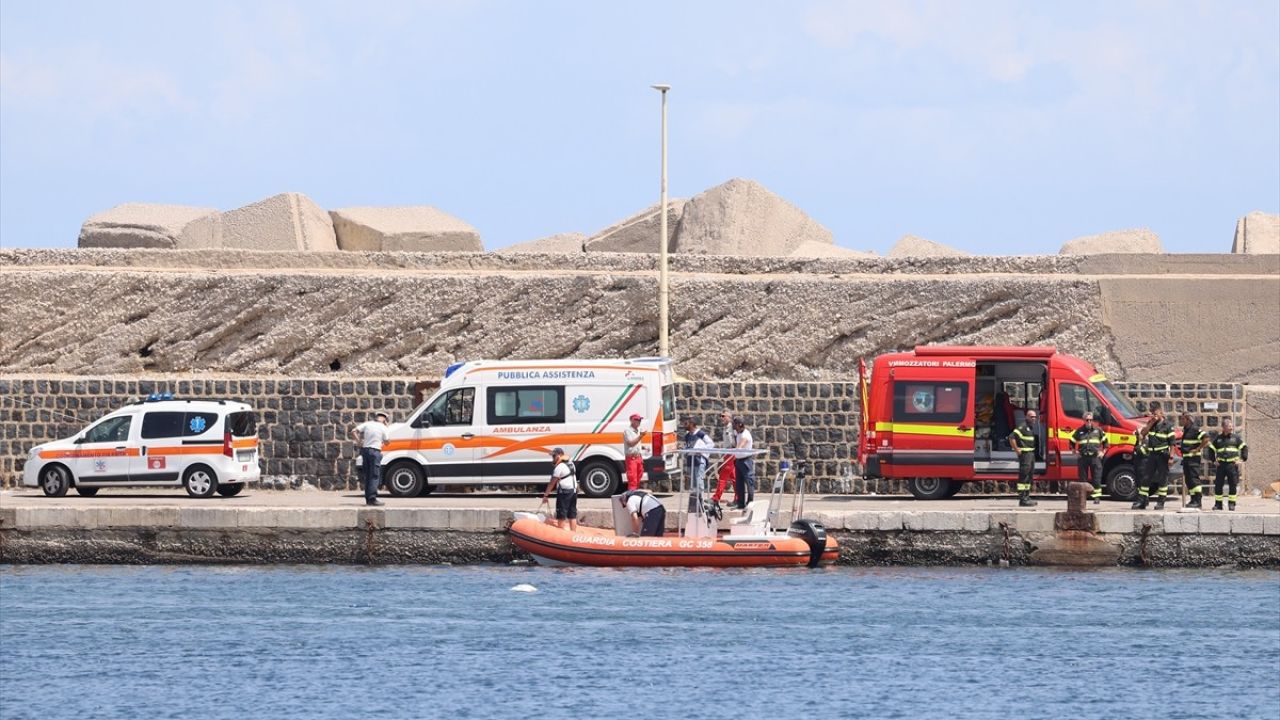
point(143, 516)
point(977, 521)
point(207, 517)
point(1160, 328)
point(1182, 523)
point(1034, 522)
point(418, 228)
point(1119, 241)
point(1115, 522)
point(53, 517)
point(1271, 524)
point(889, 520)
point(146, 225)
point(912, 246)
point(1155, 520)
point(569, 243)
point(861, 521)
point(742, 217)
point(1246, 524)
point(8, 517)
point(641, 232)
point(476, 519)
point(288, 221)
point(1215, 523)
point(1262, 432)
point(418, 518)
point(1257, 233)
point(257, 517)
point(933, 520)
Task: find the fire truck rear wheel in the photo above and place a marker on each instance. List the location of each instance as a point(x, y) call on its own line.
point(929, 488)
point(1122, 483)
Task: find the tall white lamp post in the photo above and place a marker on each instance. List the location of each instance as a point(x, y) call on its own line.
point(664, 340)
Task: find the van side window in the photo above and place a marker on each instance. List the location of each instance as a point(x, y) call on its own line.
point(453, 408)
point(1077, 400)
point(198, 423)
point(525, 404)
point(161, 425)
point(114, 430)
point(929, 401)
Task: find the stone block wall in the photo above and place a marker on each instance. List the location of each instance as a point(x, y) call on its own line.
point(304, 423)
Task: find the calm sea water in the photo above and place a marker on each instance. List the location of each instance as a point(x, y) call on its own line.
point(339, 642)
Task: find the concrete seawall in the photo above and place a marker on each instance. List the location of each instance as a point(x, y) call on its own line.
point(332, 528)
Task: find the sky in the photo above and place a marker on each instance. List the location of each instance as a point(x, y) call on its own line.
point(994, 127)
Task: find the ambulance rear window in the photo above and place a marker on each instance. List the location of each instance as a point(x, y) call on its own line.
point(243, 424)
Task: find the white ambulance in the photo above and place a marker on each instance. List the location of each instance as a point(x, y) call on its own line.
point(495, 422)
point(204, 446)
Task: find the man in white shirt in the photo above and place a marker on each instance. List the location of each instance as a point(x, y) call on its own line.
point(371, 435)
point(648, 516)
point(744, 467)
point(565, 483)
point(633, 452)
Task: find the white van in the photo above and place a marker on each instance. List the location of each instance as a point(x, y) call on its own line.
point(496, 422)
point(205, 446)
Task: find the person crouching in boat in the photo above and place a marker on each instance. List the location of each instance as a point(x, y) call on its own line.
point(648, 516)
point(565, 483)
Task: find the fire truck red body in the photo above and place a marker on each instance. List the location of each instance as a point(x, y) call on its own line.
point(940, 416)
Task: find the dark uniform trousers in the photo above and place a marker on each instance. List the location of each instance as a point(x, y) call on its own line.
point(1158, 440)
point(1228, 450)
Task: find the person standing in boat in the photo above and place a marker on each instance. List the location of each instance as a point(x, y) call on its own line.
point(695, 438)
point(727, 440)
point(648, 516)
point(564, 482)
point(633, 452)
point(744, 467)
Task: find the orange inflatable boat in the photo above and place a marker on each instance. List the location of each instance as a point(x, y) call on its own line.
point(805, 543)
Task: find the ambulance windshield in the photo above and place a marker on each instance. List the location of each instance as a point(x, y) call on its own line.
point(1116, 399)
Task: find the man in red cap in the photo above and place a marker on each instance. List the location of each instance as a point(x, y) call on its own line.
point(632, 452)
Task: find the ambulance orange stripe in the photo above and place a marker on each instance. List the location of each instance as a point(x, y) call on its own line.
point(87, 453)
point(437, 443)
point(247, 443)
point(543, 441)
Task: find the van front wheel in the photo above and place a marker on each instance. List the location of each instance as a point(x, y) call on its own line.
point(54, 480)
point(200, 481)
point(599, 479)
point(1122, 483)
point(929, 488)
point(404, 479)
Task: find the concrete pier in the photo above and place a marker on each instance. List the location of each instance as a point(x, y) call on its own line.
point(334, 527)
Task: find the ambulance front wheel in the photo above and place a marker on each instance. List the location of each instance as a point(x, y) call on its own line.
point(599, 479)
point(200, 481)
point(931, 488)
point(54, 480)
point(404, 479)
point(1122, 482)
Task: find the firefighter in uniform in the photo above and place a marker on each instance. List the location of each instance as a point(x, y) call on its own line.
point(1229, 451)
point(1190, 446)
point(1023, 439)
point(1159, 440)
point(1090, 443)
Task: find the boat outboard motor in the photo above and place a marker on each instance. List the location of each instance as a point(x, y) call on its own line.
point(814, 535)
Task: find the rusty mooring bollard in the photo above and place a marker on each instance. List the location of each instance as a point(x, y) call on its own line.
point(1076, 518)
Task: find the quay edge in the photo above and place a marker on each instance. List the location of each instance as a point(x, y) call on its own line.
point(419, 535)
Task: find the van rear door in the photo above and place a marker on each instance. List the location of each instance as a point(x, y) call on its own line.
point(931, 411)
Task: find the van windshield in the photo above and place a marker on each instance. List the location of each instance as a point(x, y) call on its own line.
point(242, 424)
point(1116, 399)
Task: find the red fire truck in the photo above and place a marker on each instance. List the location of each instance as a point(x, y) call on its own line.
point(940, 416)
